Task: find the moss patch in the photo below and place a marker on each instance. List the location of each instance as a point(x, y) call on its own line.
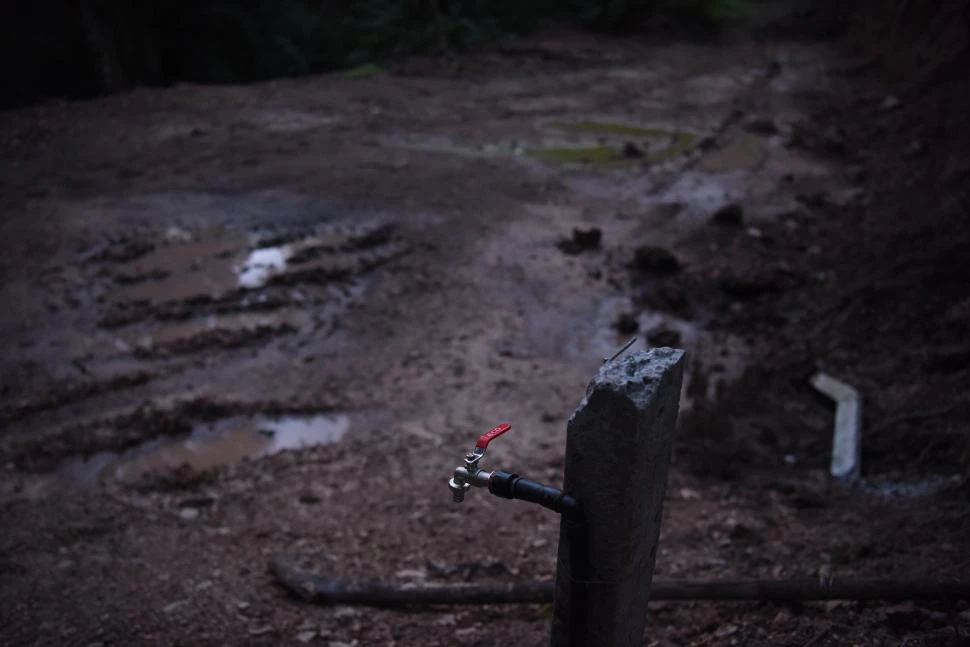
point(364, 71)
point(603, 155)
point(610, 128)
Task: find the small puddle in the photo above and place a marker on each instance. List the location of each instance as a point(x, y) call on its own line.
point(262, 264)
point(615, 144)
point(182, 271)
point(208, 445)
point(179, 272)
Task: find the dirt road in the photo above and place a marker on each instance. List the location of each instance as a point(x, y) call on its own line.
point(248, 320)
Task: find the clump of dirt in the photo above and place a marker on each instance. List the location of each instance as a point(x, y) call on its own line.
point(582, 240)
point(648, 258)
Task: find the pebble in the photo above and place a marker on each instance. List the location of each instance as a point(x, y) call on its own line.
point(688, 494)
point(782, 617)
point(189, 513)
point(626, 324)
point(412, 574)
point(173, 606)
point(582, 240)
point(447, 620)
point(729, 215)
point(655, 259)
point(891, 103)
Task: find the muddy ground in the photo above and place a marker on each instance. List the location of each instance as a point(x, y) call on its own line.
point(241, 321)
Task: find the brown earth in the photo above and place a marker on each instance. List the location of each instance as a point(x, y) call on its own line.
point(375, 266)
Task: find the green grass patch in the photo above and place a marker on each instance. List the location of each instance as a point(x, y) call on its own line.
point(603, 155)
point(364, 71)
point(610, 128)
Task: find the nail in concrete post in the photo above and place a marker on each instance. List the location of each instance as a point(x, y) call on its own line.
point(618, 446)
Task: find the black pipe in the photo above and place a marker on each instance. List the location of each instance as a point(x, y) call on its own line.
point(333, 590)
point(513, 486)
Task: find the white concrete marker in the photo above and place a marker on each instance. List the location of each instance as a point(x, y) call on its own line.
point(847, 439)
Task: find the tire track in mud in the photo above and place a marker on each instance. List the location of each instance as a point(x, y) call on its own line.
point(120, 430)
point(173, 304)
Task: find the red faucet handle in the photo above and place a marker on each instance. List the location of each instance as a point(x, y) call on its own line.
point(491, 435)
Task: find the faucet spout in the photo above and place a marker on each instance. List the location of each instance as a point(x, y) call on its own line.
point(470, 474)
point(457, 489)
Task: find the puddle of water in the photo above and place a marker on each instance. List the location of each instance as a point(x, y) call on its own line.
point(262, 265)
point(265, 263)
point(584, 142)
point(179, 272)
point(650, 145)
point(208, 445)
point(210, 270)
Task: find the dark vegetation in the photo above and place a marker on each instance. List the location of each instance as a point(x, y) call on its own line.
point(84, 48)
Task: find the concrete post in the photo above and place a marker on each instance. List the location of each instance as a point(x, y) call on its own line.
point(618, 447)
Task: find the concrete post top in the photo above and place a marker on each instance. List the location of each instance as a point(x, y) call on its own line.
point(628, 374)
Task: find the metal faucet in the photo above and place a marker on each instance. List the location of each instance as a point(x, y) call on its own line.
point(470, 473)
point(505, 484)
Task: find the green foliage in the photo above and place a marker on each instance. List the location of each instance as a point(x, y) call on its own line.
point(720, 11)
point(364, 71)
point(610, 128)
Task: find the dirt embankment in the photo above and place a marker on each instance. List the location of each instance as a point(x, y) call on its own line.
point(907, 298)
point(891, 308)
